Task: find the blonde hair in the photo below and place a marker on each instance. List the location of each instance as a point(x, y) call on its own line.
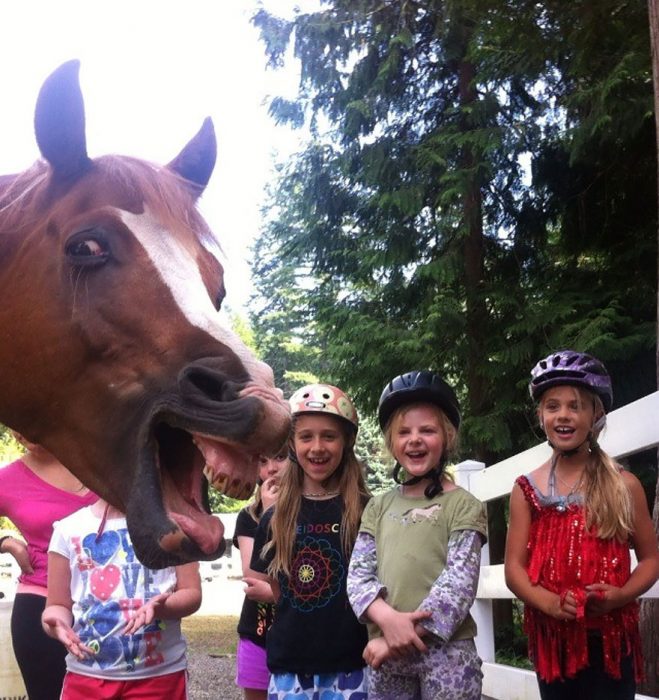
point(607, 500)
point(352, 489)
point(449, 430)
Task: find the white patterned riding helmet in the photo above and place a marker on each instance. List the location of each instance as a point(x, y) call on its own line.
point(324, 398)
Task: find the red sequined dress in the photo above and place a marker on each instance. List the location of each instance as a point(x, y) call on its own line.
point(562, 556)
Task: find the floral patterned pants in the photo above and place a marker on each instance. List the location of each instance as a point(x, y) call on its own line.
point(448, 671)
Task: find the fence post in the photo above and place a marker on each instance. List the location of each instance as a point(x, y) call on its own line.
point(481, 610)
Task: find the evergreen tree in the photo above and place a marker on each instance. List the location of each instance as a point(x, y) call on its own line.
point(414, 230)
point(417, 235)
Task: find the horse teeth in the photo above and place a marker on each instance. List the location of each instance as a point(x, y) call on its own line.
point(221, 483)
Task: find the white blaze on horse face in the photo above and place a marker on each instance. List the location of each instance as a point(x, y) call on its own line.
point(180, 273)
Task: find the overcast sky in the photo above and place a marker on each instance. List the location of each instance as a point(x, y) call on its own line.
point(151, 71)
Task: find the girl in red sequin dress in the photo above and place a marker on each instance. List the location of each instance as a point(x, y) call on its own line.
point(572, 523)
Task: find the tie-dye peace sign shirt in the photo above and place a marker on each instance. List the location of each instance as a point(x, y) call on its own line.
point(107, 584)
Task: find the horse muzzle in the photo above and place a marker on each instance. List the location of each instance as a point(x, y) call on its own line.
point(210, 431)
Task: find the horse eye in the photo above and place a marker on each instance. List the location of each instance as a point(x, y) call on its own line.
point(87, 250)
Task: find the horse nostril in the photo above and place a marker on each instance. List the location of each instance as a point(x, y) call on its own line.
point(211, 381)
point(209, 385)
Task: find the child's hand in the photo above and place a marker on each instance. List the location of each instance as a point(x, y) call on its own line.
point(401, 633)
point(376, 652)
point(601, 598)
point(563, 607)
point(269, 491)
point(63, 632)
point(259, 590)
point(18, 549)
point(144, 615)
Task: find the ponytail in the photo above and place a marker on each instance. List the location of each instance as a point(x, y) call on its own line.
point(607, 499)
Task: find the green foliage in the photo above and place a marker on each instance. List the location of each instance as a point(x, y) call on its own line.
point(242, 328)
point(408, 235)
point(10, 448)
point(219, 503)
point(371, 452)
point(516, 654)
point(284, 330)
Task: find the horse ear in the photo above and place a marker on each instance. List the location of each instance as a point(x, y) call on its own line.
point(59, 121)
point(196, 161)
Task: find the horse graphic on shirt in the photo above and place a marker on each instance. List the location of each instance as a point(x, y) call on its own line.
point(415, 515)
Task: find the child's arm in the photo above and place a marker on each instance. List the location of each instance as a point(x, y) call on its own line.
point(18, 549)
point(453, 593)
point(515, 564)
point(401, 630)
point(603, 598)
point(363, 584)
point(366, 595)
point(57, 617)
point(260, 580)
point(257, 588)
point(259, 563)
point(184, 600)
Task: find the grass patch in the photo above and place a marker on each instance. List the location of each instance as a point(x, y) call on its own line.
point(510, 658)
point(212, 634)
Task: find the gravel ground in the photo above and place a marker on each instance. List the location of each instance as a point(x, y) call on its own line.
point(212, 677)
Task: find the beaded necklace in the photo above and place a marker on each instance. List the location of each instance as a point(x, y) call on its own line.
point(563, 501)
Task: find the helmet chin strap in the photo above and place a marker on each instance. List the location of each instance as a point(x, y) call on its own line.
point(434, 474)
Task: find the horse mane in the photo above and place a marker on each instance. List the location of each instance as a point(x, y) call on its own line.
point(24, 200)
point(18, 196)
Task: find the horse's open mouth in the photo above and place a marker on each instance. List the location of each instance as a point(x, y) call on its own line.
point(188, 463)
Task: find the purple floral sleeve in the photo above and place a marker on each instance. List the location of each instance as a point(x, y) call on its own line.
point(363, 584)
point(453, 593)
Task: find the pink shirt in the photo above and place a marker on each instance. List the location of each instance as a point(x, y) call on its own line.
point(33, 506)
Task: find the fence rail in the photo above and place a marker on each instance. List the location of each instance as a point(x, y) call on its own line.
point(630, 429)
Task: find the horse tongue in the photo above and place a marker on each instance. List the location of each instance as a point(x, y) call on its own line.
point(205, 530)
point(228, 470)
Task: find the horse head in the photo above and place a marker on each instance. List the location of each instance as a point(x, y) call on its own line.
point(113, 356)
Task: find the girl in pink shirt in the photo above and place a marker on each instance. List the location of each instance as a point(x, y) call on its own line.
point(35, 491)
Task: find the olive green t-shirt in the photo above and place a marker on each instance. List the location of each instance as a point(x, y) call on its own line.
point(411, 540)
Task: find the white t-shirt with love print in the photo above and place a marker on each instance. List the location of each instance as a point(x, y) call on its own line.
point(107, 584)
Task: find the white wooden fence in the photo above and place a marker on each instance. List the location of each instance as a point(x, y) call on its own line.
point(630, 429)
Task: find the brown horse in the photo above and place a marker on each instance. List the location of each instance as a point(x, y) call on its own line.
point(112, 354)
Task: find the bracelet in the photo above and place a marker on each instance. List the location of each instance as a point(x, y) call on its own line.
point(2, 541)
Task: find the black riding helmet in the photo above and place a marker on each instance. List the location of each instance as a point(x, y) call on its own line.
point(420, 386)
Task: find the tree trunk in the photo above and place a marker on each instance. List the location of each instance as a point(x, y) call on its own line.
point(477, 318)
point(650, 608)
